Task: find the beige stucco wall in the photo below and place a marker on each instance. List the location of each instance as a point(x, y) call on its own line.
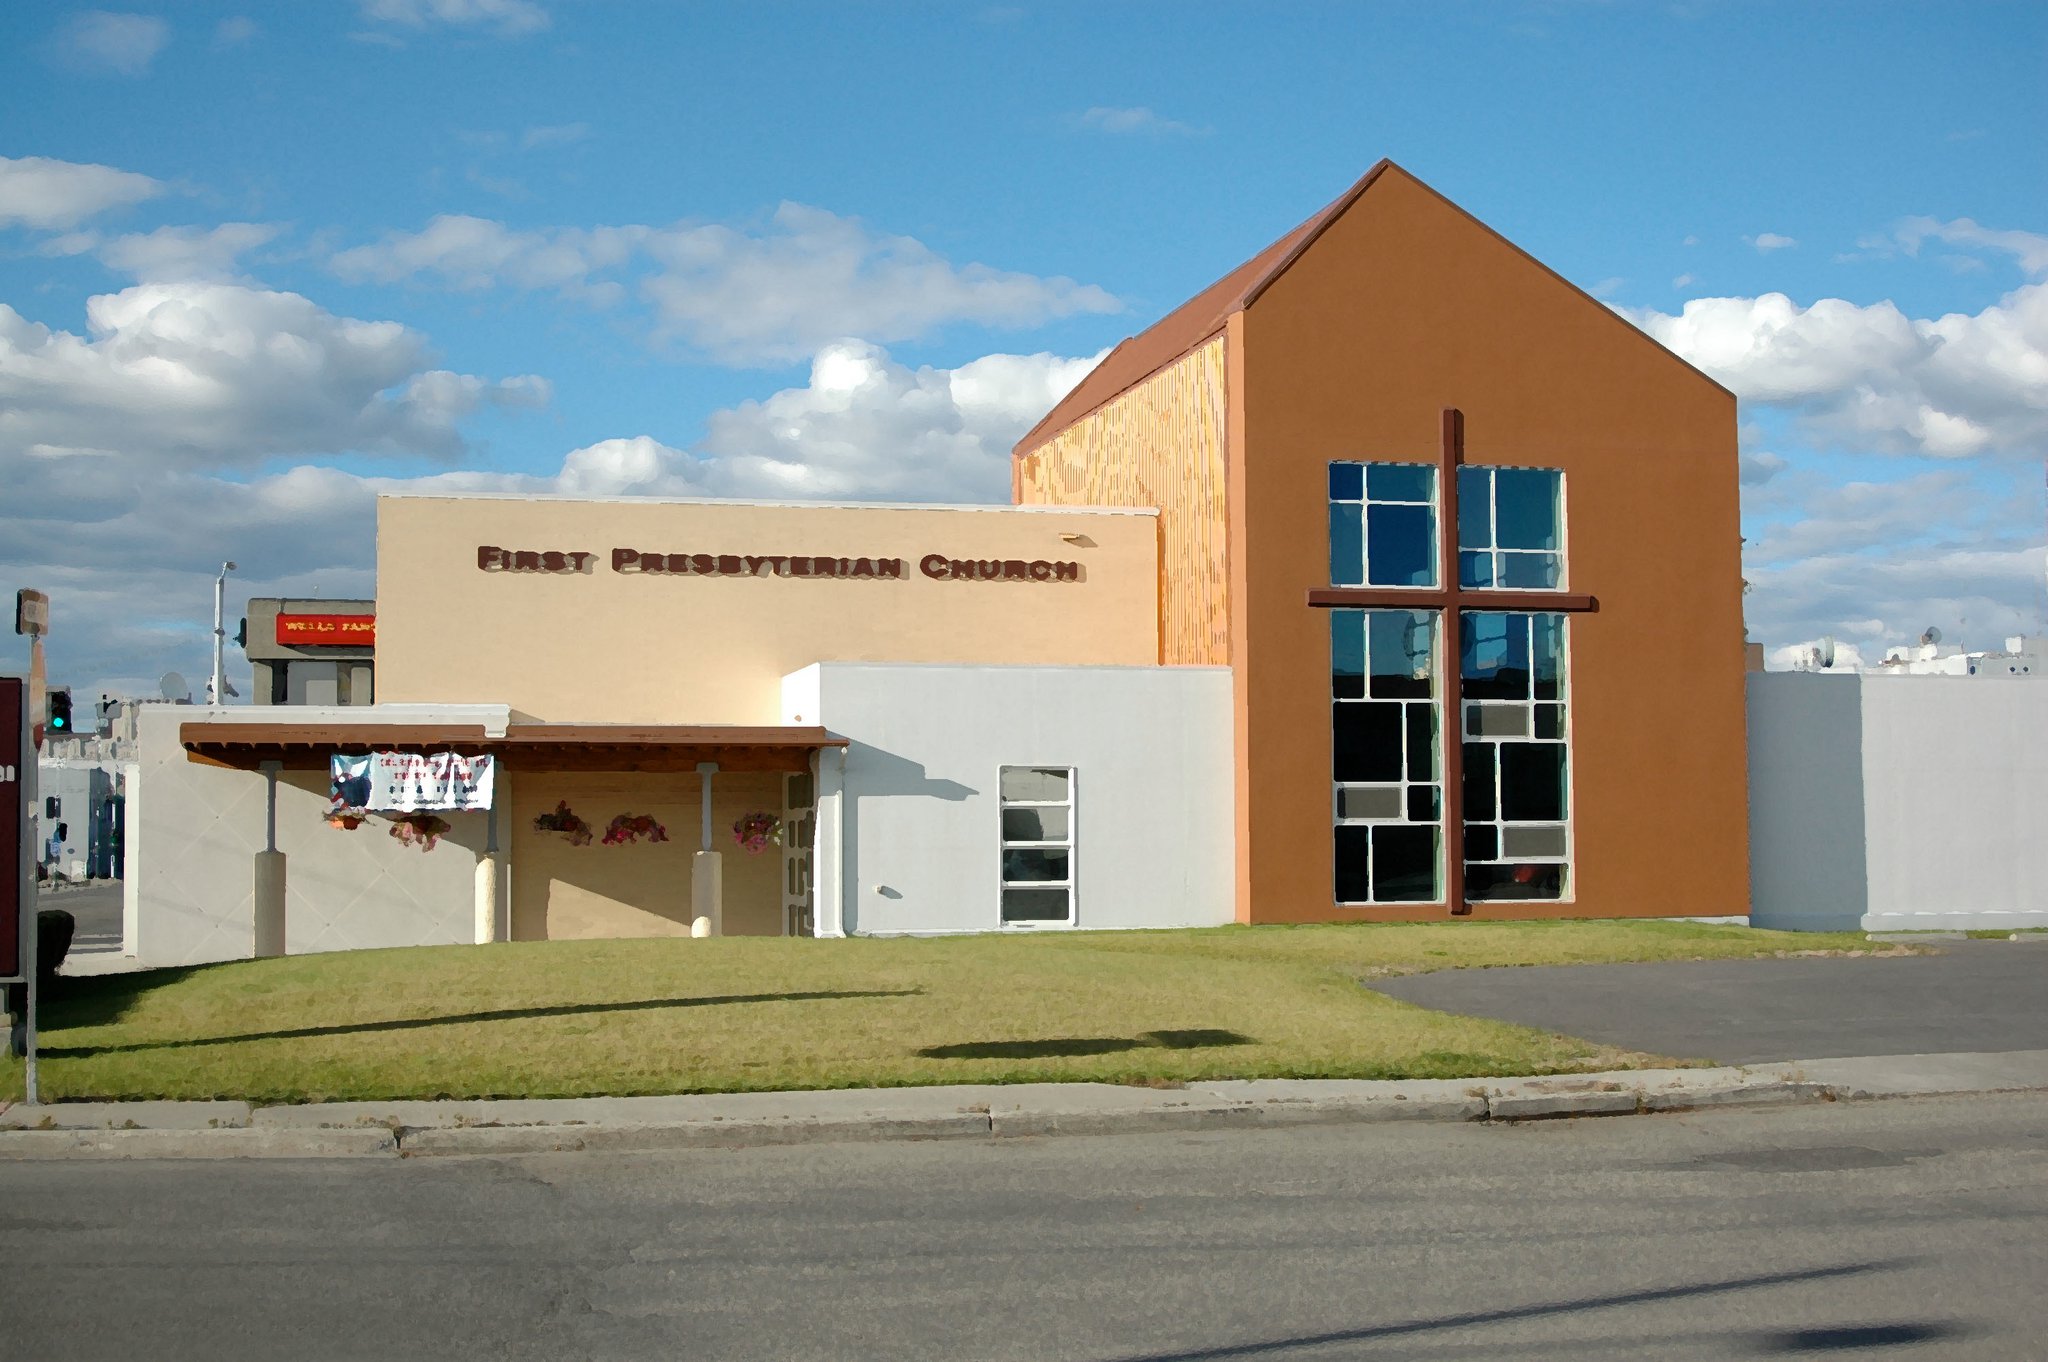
point(607, 646)
point(562, 892)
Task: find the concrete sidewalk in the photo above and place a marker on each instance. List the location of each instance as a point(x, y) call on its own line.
point(144, 1130)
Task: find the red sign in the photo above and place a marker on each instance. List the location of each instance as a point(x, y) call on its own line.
point(346, 630)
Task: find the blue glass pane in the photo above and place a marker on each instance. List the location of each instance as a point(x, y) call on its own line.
point(1475, 569)
point(1347, 482)
point(1547, 662)
point(1526, 507)
point(1493, 655)
point(1347, 654)
point(1400, 545)
point(1347, 545)
point(1400, 481)
point(1475, 500)
point(1536, 571)
point(1402, 641)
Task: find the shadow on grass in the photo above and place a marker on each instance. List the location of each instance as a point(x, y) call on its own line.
point(462, 1018)
point(1085, 1045)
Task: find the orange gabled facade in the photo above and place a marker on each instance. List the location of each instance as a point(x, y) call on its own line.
point(1346, 341)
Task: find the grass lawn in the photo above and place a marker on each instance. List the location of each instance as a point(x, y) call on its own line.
point(563, 1019)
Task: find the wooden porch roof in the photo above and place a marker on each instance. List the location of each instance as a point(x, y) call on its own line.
point(524, 747)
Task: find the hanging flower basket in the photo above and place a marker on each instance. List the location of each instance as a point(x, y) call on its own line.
point(423, 829)
point(348, 820)
point(631, 827)
point(564, 819)
point(753, 832)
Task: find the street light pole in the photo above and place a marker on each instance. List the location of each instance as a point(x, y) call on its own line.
point(220, 635)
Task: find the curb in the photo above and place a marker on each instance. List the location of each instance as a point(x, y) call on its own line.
point(413, 1129)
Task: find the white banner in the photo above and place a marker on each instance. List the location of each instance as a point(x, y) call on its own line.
point(412, 782)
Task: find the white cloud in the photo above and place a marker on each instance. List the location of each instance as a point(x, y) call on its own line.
point(808, 277)
point(1949, 386)
point(1759, 468)
point(556, 135)
point(220, 375)
point(235, 31)
point(505, 18)
point(1136, 120)
point(1770, 241)
point(122, 43)
point(179, 254)
point(1680, 281)
point(2030, 249)
point(50, 195)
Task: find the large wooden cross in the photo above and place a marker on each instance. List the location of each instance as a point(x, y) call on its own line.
point(1451, 599)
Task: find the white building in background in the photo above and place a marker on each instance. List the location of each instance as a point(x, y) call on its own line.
point(2021, 656)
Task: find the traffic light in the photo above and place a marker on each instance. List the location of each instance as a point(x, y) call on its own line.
point(60, 710)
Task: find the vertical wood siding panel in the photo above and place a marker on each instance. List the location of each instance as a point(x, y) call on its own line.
point(1161, 445)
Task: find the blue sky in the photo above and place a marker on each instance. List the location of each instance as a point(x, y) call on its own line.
point(263, 260)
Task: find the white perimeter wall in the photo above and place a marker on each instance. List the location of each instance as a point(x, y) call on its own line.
point(1898, 803)
point(1151, 748)
point(194, 830)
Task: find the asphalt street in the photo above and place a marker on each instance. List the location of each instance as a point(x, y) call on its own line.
point(1911, 1228)
point(96, 906)
point(1975, 996)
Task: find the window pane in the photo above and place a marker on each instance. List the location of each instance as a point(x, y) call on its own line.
point(1475, 569)
point(1548, 659)
point(1403, 864)
point(1366, 741)
point(1482, 842)
point(1529, 571)
point(1494, 882)
point(1035, 783)
point(1346, 546)
point(1400, 544)
point(1347, 482)
point(1423, 804)
point(1382, 801)
point(1400, 481)
point(1525, 501)
point(1518, 842)
point(1027, 865)
point(1549, 718)
point(1479, 803)
point(1401, 644)
point(1422, 742)
point(1035, 905)
point(1354, 880)
point(1497, 721)
point(1532, 781)
point(1035, 825)
point(1494, 655)
point(1347, 654)
point(1475, 508)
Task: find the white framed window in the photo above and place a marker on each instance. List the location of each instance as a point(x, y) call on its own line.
point(1517, 756)
point(1385, 766)
point(1382, 524)
point(1511, 527)
point(1036, 864)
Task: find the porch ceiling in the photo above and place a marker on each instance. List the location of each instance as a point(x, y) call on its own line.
point(524, 747)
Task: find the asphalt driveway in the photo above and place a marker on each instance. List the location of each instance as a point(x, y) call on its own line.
point(1975, 996)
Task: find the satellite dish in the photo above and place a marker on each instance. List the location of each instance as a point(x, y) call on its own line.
point(174, 687)
point(1930, 636)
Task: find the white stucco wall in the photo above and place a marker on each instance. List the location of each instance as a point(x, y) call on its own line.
point(1898, 803)
point(916, 819)
point(194, 830)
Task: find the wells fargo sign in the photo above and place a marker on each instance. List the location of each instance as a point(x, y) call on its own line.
point(345, 630)
point(491, 558)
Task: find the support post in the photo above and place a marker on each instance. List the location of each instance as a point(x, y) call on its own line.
point(269, 899)
point(707, 878)
point(487, 880)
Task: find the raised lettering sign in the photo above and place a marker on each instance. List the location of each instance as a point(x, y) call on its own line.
point(333, 630)
point(650, 563)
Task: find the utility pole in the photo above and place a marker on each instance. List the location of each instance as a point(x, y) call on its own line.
point(218, 695)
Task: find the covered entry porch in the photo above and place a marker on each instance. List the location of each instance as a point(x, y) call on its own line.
point(544, 868)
